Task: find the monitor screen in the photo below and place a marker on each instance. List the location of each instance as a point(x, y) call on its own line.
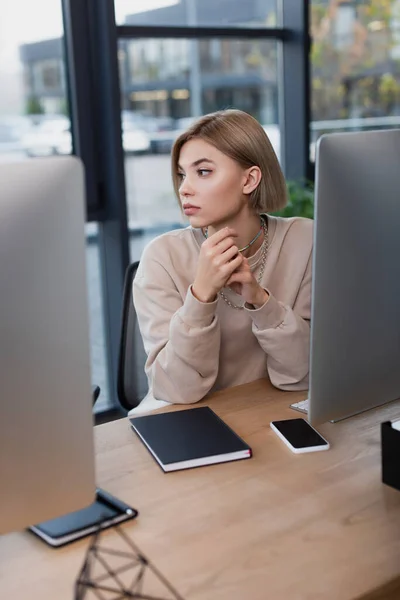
point(46, 424)
point(355, 318)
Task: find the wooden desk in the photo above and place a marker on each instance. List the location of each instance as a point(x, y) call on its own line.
point(280, 526)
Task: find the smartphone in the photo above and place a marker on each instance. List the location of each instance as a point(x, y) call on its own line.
point(104, 512)
point(299, 436)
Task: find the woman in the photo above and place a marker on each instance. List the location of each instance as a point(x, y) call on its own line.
point(226, 300)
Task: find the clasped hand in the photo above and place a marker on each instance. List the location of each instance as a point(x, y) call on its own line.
point(221, 264)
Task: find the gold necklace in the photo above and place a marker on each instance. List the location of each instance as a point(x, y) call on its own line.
point(264, 253)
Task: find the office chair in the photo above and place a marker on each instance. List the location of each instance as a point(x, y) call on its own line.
point(131, 380)
point(95, 393)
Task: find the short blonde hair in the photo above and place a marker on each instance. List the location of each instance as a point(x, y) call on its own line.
point(241, 137)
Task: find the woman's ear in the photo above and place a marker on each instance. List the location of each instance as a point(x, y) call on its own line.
point(252, 179)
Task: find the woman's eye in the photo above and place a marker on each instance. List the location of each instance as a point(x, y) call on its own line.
point(203, 172)
point(180, 176)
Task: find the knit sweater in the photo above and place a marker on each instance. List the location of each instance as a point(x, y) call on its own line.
point(194, 348)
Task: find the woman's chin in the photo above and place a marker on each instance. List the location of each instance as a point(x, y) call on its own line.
point(197, 221)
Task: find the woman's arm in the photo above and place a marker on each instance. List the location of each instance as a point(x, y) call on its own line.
point(181, 337)
point(284, 334)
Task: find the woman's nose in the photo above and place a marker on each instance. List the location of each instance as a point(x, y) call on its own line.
point(186, 189)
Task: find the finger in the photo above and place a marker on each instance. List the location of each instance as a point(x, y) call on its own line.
point(225, 244)
point(241, 275)
point(238, 277)
point(228, 255)
point(244, 268)
point(217, 257)
point(220, 235)
point(232, 265)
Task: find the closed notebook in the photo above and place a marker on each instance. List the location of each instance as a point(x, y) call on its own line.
point(189, 438)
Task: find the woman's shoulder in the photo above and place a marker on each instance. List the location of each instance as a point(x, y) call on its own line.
point(299, 230)
point(166, 245)
point(300, 224)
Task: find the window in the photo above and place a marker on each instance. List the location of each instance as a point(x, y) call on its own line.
point(224, 13)
point(33, 106)
point(47, 76)
point(34, 121)
point(96, 312)
point(355, 64)
point(178, 79)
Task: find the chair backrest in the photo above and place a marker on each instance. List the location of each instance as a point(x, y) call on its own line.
point(131, 379)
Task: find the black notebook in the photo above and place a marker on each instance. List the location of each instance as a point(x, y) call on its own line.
point(189, 438)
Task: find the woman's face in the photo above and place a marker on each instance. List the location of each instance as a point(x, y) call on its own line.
point(211, 184)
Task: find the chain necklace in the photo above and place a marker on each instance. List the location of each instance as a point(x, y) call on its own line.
point(250, 243)
point(264, 253)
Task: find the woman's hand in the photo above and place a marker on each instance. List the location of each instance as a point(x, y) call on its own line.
point(219, 258)
point(243, 282)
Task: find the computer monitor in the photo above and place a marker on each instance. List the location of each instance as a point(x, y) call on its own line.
point(355, 318)
point(46, 423)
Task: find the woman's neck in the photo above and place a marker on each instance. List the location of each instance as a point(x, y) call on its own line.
point(247, 229)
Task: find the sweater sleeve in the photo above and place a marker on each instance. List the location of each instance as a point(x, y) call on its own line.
point(181, 337)
point(283, 332)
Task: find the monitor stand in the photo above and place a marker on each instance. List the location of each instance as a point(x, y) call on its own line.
point(302, 407)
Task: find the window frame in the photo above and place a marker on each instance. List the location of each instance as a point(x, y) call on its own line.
point(92, 72)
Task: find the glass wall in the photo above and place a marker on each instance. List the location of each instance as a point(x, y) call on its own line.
point(165, 85)
point(34, 122)
point(96, 323)
point(355, 62)
point(224, 13)
point(168, 82)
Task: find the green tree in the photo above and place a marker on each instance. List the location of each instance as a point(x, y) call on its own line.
point(389, 91)
point(300, 200)
point(34, 106)
point(340, 68)
point(64, 107)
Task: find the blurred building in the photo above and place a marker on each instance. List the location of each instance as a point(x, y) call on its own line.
point(44, 78)
point(178, 78)
point(355, 58)
point(355, 62)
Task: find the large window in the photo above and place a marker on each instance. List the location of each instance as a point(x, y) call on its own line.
point(239, 13)
point(355, 65)
point(165, 85)
point(35, 122)
point(34, 117)
point(178, 60)
point(96, 321)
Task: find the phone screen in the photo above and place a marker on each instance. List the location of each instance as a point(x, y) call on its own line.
point(105, 508)
point(86, 517)
point(299, 433)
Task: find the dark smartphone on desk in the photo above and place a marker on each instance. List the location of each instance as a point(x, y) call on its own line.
point(299, 436)
point(104, 512)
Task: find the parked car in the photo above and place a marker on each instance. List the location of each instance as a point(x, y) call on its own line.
point(12, 129)
point(134, 139)
point(52, 136)
point(159, 130)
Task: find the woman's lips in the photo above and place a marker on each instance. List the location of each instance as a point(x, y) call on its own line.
point(188, 209)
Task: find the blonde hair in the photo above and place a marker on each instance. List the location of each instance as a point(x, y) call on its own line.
point(241, 137)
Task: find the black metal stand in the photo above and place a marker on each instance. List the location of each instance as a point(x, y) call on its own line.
point(115, 574)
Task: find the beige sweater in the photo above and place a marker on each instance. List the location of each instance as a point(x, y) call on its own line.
point(194, 348)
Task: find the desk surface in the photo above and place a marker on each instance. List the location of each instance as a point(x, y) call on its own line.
point(280, 526)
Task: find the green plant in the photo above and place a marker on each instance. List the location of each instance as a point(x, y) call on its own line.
point(300, 200)
point(34, 106)
point(64, 107)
